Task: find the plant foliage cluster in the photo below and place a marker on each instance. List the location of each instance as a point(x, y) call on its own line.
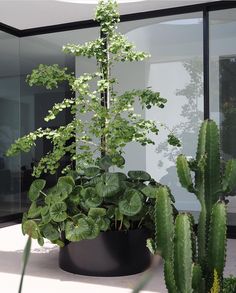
point(89, 198)
point(113, 116)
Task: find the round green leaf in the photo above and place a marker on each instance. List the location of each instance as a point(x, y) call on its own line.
point(46, 218)
point(50, 232)
point(105, 162)
point(131, 204)
point(118, 160)
point(84, 229)
point(150, 191)
point(91, 198)
point(139, 175)
point(30, 228)
point(34, 211)
point(75, 195)
point(92, 171)
point(58, 212)
point(65, 186)
point(109, 185)
point(97, 212)
point(35, 188)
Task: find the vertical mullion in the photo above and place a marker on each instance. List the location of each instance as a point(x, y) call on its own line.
point(206, 62)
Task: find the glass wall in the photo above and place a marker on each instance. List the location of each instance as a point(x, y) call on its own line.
point(175, 69)
point(223, 80)
point(10, 199)
point(22, 108)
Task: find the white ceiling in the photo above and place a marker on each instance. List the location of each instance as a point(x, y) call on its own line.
point(24, 14)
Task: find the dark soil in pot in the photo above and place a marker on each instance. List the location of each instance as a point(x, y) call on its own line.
point(112, 253)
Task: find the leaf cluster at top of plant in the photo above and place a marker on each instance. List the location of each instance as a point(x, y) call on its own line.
point(116, 123)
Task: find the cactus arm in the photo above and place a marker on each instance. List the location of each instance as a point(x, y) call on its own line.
point(184, 173)
point(169, 277)
point(164, 222)
point(183, 254)
point(217, 240)
point(212, 167)
point(197, 281)
point(229, 179)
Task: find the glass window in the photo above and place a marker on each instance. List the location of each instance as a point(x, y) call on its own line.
point(222, 80)
point(175, 69)
point(10, 200)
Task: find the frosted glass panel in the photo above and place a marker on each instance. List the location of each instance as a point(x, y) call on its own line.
point(176, 71)
point(222, 80)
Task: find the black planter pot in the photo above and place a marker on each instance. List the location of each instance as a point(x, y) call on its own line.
point(112, 253)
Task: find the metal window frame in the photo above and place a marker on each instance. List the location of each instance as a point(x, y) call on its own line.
point(205, 8)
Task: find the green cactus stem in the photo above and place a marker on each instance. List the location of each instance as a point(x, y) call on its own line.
point(217, 241)
point(164, 222)
point(183, 254)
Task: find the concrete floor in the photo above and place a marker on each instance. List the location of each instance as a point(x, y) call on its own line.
point(44, 275)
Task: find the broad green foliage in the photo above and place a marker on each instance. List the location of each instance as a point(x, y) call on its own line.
point(115, 122)
point(195, 262)
point(95, 201)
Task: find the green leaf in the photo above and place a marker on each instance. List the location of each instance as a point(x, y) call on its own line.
point(105, 162)
point(34, 211)
point(46, 218)
point(131, 204)
point(35, 188)
point(118, 160)
point(58, 212)
point(150, 191)
point(50, 232)
point(139, 175)
point(92, 171)
point(97, 212)
point(91, 198)
point(30, 228)
point(109, 185)
point(65, 186)
point(75, 195)
point(84, 229)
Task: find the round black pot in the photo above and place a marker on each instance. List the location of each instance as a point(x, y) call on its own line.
point(112, 253)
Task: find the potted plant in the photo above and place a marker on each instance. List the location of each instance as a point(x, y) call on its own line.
point(96, 216)
point(194, 262)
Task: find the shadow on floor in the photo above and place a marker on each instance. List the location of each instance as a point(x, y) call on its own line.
point(43, 263)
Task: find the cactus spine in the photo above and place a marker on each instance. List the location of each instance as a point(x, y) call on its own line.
point(194, 271)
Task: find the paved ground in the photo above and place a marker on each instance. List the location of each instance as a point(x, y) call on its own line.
point(44, 275)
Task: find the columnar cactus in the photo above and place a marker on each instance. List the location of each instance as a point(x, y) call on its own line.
point(187, 270)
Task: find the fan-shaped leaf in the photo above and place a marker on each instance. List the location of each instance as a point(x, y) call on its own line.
point(34, 210)
point(35, 188)
point(50, 232)
point(139, 175)
point(58, 212)
point(92, 171)
point(109, 185)
point(97, 212)
point(31, 228)
point(131, 204)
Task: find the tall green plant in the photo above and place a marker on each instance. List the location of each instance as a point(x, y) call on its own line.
point(113, 116)
point(191, 261)
point(91, 199)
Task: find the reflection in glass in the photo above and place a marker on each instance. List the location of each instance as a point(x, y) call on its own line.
point(222, 81)
point(175, 69)
point(10, 200)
